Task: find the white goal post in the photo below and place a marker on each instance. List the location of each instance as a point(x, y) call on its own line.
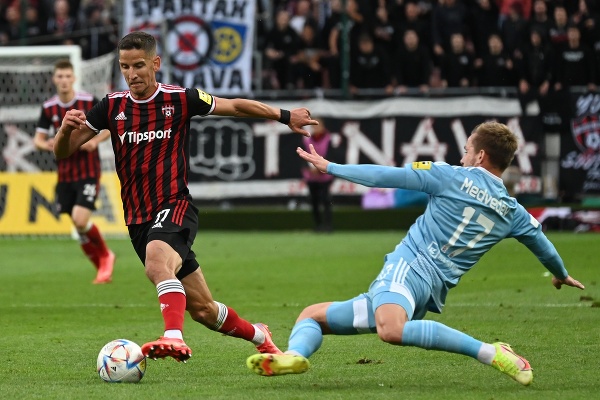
point(26, 82)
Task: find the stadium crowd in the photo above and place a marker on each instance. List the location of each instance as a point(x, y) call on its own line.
point(88, 23)
point(537, 46)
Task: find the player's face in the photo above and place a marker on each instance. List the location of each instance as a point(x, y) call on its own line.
point(63, 79)
point(139, 70)
point(471, 158)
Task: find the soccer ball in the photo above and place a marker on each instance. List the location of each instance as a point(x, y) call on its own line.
point(121, 361)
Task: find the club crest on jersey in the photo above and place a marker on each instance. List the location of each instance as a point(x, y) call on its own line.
point(168, 110)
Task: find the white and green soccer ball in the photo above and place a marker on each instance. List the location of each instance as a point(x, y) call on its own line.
point(121, 360)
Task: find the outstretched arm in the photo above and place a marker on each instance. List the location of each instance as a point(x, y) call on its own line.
point(296, 119)
point(537, 242)
point(370, 175)
point(72, 134)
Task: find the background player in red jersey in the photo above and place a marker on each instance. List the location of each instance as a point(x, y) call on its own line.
point(150, 127)
point(79, 174)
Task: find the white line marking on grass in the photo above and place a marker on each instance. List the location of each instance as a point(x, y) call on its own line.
point(505, 305)
point(63, 305)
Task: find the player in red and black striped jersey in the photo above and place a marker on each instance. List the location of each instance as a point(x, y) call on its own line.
point(150, 128)
point(79, 174)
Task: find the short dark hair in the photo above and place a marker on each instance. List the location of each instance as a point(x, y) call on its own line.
point(498, 142)
point(63, 63)
point(138, 40)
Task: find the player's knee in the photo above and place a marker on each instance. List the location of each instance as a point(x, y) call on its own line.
point(80, 224)
point(390, 333)
point(316, 312)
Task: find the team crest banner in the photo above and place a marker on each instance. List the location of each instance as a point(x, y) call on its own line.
point(580, 149)
point(202, 43)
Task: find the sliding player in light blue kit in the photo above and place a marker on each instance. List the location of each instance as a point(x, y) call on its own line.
point(469, 211)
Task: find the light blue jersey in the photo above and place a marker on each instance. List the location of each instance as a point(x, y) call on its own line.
point(468, 212)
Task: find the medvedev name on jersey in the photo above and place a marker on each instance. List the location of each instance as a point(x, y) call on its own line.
point(137, 137)
point(484, 197)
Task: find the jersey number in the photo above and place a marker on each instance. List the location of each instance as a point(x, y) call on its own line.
point(161, 216)
point(468, 213)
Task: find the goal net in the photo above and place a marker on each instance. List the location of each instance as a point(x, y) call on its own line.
point(28, 176)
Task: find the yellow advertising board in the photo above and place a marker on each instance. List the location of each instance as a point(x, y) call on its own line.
point(27, 205)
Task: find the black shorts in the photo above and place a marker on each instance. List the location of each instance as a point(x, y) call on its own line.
point(81, 193)
point(175, 224)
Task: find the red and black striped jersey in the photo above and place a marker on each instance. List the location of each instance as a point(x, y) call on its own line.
point(150, 138)
point(81, 164)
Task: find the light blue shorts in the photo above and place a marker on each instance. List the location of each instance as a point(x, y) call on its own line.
point(397, 283)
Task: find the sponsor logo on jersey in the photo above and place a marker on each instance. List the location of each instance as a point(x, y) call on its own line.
point(205, 97)
point(121, 117)
point(482, 196)
point(148, 136)
point(421, 165)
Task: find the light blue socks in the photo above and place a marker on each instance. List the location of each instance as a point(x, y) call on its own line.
point(306, 337)
point(432, 335)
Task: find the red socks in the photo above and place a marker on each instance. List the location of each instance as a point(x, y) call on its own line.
point(93, 245)
point(230, 324)
point(172, 303)
point(96, 238)
point(91, 251)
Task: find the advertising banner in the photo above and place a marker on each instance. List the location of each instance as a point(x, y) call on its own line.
point(250, 158)
point(580, 149)
point(27, 205)
point(202, 43)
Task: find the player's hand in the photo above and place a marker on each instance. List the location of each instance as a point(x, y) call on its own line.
point(314, 158)
point(299, 118)
point(567, 281)
point(73, 119)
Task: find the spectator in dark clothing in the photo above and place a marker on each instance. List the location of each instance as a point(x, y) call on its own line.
point(412, 20)
point(514, 30)
point(483, 21)
point(356, 23)
point(558, 28)
point(457, 64)
point(61, 24)
point(540, 20)
point(383, 31)
point(281, 47)
point(534, 72)
point(370, 67)
point(302, 16)
point(34, 25)
point(101, 38)
point(588, 22)
point(10, 31)
point(413, 65)
point(496, 67)
point(16, 28)
point(575, 64)
point(506, 5)
point(448, 17)
point(307, 65)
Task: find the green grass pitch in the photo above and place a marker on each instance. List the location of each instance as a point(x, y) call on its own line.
point(54, 321)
